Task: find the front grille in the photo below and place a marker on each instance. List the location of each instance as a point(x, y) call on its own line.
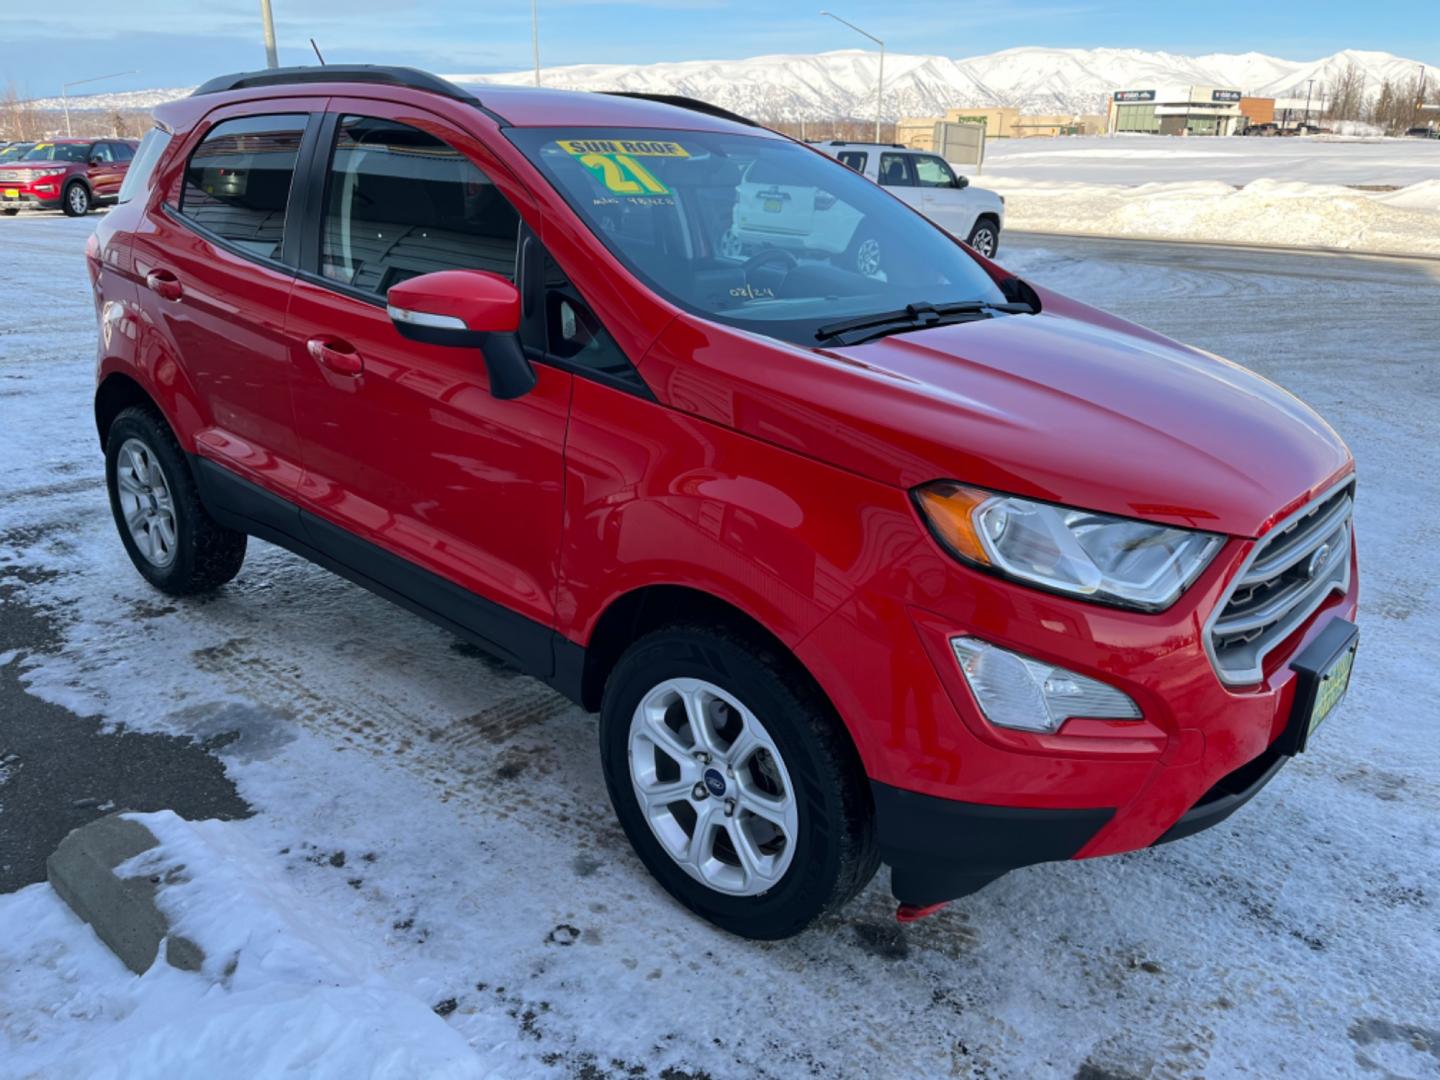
point(1282, 582)
point(12, 176)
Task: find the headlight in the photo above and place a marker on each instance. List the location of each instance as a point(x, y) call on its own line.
point(49, 172)
point(1081, 553)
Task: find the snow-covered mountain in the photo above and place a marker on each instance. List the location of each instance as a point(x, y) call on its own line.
point(833, 85)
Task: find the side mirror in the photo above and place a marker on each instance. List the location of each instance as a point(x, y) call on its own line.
point(467, 309)
point(962, 181)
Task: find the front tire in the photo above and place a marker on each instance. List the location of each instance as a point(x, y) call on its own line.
point(76, 202)
point(733, 781)
point(170, 537)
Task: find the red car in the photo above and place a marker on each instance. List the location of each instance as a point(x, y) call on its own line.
point(927, 566)
point(73, 175)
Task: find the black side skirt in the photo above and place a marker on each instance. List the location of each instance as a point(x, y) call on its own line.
point(531, 647)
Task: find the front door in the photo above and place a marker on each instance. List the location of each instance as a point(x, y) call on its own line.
point(405, 449)
point(214, 286)
point(941, 201)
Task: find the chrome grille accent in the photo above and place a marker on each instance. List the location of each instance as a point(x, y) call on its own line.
point(13, 175)
point(1279, 585)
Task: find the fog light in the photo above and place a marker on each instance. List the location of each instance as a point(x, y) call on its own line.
point(1015, 691)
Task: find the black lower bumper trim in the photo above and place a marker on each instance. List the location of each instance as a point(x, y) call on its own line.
point(940, 849)
point(1233, 791)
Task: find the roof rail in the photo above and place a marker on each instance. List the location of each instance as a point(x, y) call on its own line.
point(682, 102)
point(333, 73)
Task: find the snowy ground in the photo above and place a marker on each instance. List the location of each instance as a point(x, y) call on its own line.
point(1294, 192)
point(1145, 159)
point(449, 817)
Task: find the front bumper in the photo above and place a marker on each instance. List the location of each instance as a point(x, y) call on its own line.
point(940, 771)
point(29, 200)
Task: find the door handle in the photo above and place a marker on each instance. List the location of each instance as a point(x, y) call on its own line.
point(164, 284)
point(336, 355)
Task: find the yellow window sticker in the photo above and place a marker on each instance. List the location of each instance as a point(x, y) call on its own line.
point(630, 147)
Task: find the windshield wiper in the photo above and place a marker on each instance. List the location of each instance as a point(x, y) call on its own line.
point(918, 316)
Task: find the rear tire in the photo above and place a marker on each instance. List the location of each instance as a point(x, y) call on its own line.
point(985, 237)
point(781, 752)
point(76, 202)
point(170, 537)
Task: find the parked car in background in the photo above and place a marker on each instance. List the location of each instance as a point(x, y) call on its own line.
point(1267, 129)
point(928, 183)
point(13, 151)
point(1423, 133)
point(73, 175)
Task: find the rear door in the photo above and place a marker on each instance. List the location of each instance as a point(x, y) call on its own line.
point(897, 175)
point(409, 461)
point(210, 260)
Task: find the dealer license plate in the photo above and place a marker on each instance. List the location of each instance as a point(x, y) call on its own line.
point(773, 206)
point(1333, 684)
point(12, 193)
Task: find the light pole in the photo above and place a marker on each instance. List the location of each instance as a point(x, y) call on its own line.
point(267, 21)
point(535, 37)
point(880, 83)
point(1308, 90)
point(65, 92)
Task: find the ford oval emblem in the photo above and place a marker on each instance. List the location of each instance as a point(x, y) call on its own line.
point(1317, 561)
point(714, 782)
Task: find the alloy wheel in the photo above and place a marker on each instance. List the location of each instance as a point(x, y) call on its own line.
point(146, 503)
point(713, 787)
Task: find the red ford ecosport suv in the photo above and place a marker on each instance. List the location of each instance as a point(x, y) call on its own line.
point(73, 175)
point(927, 566)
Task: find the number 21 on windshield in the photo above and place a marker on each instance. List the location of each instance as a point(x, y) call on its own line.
point(623, 175)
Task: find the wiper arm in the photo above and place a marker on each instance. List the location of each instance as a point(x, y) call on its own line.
point(918, 316)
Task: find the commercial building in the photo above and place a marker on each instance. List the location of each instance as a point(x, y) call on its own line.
point(999, 123)
point(1257, 110)
point(1176, 110)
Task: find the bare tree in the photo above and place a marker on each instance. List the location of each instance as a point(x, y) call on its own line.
point(18, 119)
point(119, 125)
point(1345, 95)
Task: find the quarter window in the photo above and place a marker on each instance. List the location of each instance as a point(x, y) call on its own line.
point(896, 171)
point(401, 203)
point(237, 182)
point(137, 177)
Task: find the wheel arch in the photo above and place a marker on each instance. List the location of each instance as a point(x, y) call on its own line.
point(116, 393)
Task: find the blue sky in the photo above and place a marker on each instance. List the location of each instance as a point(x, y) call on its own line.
point(177, 42)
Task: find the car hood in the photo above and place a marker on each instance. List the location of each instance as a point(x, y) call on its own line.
point(1071, 405)
point(28, 165)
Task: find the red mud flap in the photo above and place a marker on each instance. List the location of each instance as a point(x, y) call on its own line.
point(908, 913)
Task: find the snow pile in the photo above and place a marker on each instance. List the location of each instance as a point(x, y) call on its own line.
point(282, 991)
point(1291, 213)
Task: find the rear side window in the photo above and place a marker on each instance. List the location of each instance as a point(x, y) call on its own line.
point(237, 181)
point(123, 151)
point(855, 159)
point(137, 177)
point(400, 203)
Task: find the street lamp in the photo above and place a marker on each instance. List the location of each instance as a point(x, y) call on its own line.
point(65, 93)
point(880, 83)
point(535, 37)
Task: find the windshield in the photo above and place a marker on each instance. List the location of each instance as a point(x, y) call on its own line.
point(14, 152)
point(754, 231)
point(46, 151)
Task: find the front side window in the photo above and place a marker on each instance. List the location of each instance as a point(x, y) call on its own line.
point(45, 151)
point(896, 170)
point(933, 172)
point(400, 203)
point(237, 182)
point(752, 230)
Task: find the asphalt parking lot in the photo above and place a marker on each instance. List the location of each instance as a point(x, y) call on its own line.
point(452, 814)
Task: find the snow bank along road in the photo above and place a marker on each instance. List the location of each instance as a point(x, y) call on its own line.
point(451, 816)
point(1292, 192)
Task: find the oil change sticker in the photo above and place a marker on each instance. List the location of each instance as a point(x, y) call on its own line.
point(613, 162)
